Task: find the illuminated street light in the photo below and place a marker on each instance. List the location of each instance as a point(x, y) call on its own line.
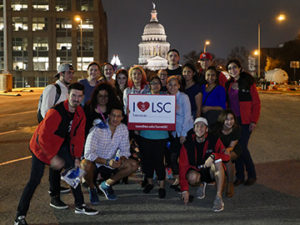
point(78, 19)
point(256, 52)
point(280, 18)
point(207, 42)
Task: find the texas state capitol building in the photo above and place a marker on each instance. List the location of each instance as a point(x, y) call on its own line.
point(154, 46)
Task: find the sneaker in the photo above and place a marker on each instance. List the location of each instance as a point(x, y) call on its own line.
point(107, 191)
point(93, 196)
point(218, 204)
point(85, 210)
point(57, 203)
point(161, 193)
point(20, 220)
point(148, 188)
point(64, 190)
point(200, 193)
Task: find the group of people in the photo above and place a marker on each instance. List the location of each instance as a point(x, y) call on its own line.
point(84, 126)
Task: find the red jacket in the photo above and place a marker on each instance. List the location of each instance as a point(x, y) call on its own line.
point(50, 133)
point(248, 98)
point(189, 148)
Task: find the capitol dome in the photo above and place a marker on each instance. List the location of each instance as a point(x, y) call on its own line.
point(154, 40)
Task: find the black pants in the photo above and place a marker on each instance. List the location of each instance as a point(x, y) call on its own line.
point(37, 171)
point(174, 154)
point(152, 155)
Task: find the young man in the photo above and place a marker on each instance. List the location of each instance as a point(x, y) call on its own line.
point(57, 141)
point(102, 144)
point(64, 77)
point(206, 60)
point(173, 63)
point(200, 162)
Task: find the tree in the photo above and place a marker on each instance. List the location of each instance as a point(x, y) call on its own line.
point(240, 53)
point(192, 57)
point(272, 63)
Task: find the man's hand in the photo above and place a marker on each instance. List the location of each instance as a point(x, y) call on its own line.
point(114, 164)
point(185, 197)
point(77, 163)
point(182, 139)
point(57, 163)
point(252, 126)
point(209, 162)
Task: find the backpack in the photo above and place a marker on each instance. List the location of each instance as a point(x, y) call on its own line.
point(58, 93)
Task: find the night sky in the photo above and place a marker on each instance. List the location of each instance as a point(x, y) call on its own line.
point(188, 23)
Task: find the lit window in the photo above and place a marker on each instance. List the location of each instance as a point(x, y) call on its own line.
point(19, 44)
point(39, 23)
point(1, 23)
point(20, 62)
point(85, 62)
point(60, 60)
point(40, 44)
point(62, 5)
point(62, 23)
point(40, 63)
point(20, 23)
point(19, 5)
point(84, 5)
point(40, 5)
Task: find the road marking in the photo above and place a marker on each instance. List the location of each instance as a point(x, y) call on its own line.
point(15, 160)
point(15, 114)
point(8, 132)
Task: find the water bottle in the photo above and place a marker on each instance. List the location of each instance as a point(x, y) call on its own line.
point(117, 158)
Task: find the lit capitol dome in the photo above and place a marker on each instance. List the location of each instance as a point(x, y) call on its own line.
point(154, 46)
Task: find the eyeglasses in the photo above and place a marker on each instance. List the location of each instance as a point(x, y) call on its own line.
point(154, 83)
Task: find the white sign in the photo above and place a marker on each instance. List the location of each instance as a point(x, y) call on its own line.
point(151, 112)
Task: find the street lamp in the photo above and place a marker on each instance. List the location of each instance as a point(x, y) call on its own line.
point(78, 19)
point(207, 42)
point(279, 18)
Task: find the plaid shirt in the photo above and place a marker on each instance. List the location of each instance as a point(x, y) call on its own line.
point(101, 143)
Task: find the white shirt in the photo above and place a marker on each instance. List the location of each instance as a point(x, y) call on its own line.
point(49, 94)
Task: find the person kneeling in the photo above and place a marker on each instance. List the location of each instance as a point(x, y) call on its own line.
point(103, 142)
point(200, 162)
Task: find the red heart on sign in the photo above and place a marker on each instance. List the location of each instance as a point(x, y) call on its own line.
point(143, 106)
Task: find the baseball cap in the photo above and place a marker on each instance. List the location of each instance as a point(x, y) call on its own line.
point(63, 68)
point(205, 56)
point(201, 119)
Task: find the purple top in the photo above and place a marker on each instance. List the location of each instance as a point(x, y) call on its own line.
point(233, 96)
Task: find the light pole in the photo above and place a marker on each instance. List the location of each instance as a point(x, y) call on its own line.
point(279, 18)
point(78, 19)
point(207, 42)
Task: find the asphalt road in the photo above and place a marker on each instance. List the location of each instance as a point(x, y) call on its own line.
point(274, 199)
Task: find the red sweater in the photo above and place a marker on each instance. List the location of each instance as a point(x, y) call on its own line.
point(50, 133)
point(185, 164)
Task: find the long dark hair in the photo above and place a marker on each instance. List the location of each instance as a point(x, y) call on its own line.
point(217, 129)
point(112, 96)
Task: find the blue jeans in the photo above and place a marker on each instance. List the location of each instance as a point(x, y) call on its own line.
point(245, 159)
point(37, 171)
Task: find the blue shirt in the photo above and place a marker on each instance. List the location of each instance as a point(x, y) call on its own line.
point(184, 119)
point(88, 90)
point(217, 97)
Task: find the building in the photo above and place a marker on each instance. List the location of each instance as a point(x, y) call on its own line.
point(154, 44)
point(43, 34)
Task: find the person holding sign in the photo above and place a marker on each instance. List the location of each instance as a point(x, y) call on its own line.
point(152, 145)
point(184, 122)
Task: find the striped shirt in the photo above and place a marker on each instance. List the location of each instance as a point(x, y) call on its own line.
point(101, 143)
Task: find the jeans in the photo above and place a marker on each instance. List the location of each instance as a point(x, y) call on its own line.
point(175, 150)
point(37, 171)
point(245, 159)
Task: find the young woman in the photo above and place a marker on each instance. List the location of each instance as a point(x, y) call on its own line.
point(152, 146)
point(103, 98)
point(184, 122)
point(107, 71)
point(163, 76)
point(229, 132)
point(243, 100)
point(192, 89)
point(121, 82)
point(137, 84)
point(91, 81)
point(213, 97)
